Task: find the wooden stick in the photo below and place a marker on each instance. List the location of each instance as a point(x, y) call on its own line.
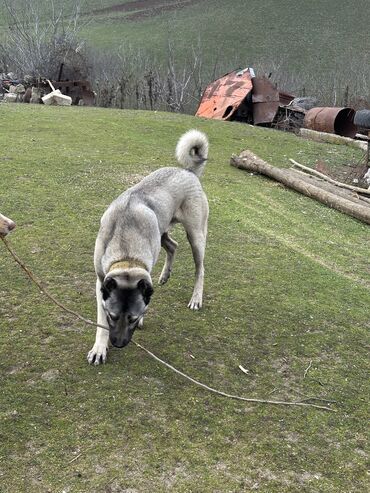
point(230, 396)
point(330, 180)
point(362, 198)
point(200, 384)
point(249, 161)
point(44, 290)
point(51, 85)
point(362, 137)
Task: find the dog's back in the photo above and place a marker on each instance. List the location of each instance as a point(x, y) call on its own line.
point(134, 222)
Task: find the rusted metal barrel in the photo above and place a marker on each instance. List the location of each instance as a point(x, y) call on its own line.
point(331, 120)
point(362, 119)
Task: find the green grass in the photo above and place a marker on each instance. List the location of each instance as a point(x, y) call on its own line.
point(317, 37)
point(287, 283)
point(323, 40)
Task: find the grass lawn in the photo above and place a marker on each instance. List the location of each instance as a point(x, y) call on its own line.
point(287, 289)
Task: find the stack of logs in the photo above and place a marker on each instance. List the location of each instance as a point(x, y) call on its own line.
point(351, 200)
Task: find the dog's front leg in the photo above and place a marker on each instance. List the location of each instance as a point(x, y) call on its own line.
point(99, 351)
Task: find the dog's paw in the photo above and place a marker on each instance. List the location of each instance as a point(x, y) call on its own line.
point(195, 303)
point(165, 275)
point(98, 354)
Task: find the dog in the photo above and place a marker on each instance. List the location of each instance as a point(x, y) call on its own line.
point(132, 231)
point(6, 225)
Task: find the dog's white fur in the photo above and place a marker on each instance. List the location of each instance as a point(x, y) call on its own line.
point(136, 225)
point(6, 225)
point(186, 157)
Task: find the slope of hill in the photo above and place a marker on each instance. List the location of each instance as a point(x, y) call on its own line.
point(314, 37)
point(321, 46)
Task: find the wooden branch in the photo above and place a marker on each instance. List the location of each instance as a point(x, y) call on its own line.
point(330, 180)
point(51, 85)
point(307, 133)
point(249, 161)
point(362, 198)
point(362, 137)
point(196, 382)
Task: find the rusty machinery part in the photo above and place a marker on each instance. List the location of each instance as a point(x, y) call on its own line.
point(223, 97)
point(265, 99)
point(78, 90)
point(362, 119)
point(289, 119)
point(331, 120)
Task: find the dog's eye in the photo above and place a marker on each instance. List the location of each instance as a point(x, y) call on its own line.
point(132, 320)
point(113, 317)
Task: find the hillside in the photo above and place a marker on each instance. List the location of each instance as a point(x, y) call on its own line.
point(319, 39)
point(306, 45)
point(286, 296)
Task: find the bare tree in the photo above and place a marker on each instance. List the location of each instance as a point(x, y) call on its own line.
point(180, 79)
point(42, 35)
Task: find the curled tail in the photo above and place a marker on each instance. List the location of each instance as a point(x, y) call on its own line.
point(192, 151)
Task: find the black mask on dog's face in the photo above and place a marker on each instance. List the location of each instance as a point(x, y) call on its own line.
point(124, 308)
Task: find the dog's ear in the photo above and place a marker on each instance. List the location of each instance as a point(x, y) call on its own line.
point(108, 286)
point(146, 290)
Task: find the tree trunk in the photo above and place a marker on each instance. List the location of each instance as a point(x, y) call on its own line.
point(249, 161)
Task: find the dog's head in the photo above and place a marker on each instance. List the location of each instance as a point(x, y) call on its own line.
point(126, 296)
point(6, 225)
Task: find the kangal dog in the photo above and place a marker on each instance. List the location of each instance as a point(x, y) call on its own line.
point(132, 231)
point(6, 225)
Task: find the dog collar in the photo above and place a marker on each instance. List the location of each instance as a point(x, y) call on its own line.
point(128, 264)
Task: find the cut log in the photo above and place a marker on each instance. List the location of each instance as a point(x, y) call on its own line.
point(249, 161)
point(307, 133)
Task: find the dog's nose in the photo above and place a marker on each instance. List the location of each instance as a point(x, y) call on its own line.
point(11, 225)
point(119, 343)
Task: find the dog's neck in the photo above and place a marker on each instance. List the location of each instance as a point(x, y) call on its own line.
point(128, 264)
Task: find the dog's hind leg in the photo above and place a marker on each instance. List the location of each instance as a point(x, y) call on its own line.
point(170, 246)
point(99, 350)
point(197, 240)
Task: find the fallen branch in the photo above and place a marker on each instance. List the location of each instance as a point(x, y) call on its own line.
point(249, 161)
point(75, 458)
point(365, 199)
point(44, 290)
point(306, 370)
point(330, 180)
point(200, 384)
point(231, 396)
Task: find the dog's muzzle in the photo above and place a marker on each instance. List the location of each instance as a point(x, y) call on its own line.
point(120, 342)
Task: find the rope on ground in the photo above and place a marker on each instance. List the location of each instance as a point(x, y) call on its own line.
point(184, 375)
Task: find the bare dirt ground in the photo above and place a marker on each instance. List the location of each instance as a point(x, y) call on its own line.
point(145, 8)
point(351, 173)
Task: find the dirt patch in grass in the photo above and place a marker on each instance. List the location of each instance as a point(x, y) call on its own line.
point(351, 173)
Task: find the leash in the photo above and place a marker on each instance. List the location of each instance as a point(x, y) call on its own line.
point(184, 375)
